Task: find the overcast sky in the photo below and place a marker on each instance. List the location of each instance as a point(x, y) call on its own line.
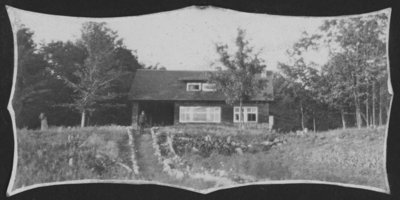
point(184, 39)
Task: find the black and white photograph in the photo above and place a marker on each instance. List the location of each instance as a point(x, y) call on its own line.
point(201, 99)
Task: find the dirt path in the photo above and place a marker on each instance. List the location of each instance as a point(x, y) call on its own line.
point(151, 170)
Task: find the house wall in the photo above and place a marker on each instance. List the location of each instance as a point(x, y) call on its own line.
point(226, 110)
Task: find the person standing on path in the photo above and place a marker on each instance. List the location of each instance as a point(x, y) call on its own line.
point(142, 122)
point(43, 122)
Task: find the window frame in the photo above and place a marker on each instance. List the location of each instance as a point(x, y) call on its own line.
point(193, 83)
point(209, 90)
point(253, 110)
point(186, 114)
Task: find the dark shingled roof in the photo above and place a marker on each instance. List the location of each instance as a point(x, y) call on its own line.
point(171, 85)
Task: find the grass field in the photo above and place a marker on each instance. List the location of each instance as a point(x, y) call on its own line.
point(345, 156)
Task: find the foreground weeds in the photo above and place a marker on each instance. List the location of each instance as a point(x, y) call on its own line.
point(202, 157)
point(346, 156)
point(64, 154)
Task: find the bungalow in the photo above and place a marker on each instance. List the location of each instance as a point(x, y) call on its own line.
point(180, 97)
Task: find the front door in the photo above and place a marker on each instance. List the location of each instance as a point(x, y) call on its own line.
point(158, 113)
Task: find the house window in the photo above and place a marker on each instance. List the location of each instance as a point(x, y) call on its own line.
point(250, 114)
point(199, 114)
point(193, 86)
point(208, 87)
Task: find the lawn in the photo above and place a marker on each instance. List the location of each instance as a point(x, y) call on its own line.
point(201, 157)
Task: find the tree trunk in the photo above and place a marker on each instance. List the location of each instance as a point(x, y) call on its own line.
point(367, 111)
point(241, 117)
point(373, 105)
point(371, 122)
point(357, 103)
point(302, 115)
point(83, 118)
point(367, 107)
point(380, 106)
point(343, 119)
point(315, 127)
point(358, 110)
point(358, 116)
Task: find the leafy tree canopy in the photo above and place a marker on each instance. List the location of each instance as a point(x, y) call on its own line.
point(95, 67)
point(237, 77)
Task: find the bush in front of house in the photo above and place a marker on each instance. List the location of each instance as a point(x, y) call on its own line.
point(206, 143)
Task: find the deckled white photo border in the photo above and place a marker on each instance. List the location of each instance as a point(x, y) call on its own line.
point(12, 12)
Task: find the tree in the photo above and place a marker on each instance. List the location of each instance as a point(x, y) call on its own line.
point(28, 99)
point(358, 48)
point(336, 88)
point(284, 105)
point(303, 78)
point(237, 78)
point(63, 58)
point(95, 80)
point(302, 86)
point(287, 111)
point(356, 64)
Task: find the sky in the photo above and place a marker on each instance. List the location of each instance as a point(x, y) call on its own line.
point(185, 39)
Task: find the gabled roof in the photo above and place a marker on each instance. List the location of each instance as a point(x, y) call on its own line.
point(171, 85)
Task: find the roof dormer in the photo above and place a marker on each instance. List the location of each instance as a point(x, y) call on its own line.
point(200, 86)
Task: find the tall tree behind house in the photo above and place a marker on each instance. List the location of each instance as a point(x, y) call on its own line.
point(237, 78)
point(97, 80)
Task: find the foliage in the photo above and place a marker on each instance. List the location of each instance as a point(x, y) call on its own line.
point(302, 82)
point(358, 56)
point(357, 63)
point(287, 113)
point(60, 75)
point(30, 94)
point(97, 62)
point(65, 58)
point(220, 140)
point(237, 80)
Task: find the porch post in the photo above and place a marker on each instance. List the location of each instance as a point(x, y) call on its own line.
point(176, 113)
point(135, 112)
